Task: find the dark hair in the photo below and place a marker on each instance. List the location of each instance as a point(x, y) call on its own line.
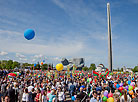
point(125, 94)
point(94, 92)
point(32, 89)
point(39, 90)
point(26, 90)
point(44, 92)
point(7, 96)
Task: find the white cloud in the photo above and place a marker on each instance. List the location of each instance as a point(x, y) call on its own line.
point(3, 53)
point(82, 14)
point(134, 1)
point(56, 59)
point(23, 59)
point(33, 60)
point(63, 47)
point(38, 56)
point(6, 21)
point(9, 32)
point(19, 55)
point(102, 36)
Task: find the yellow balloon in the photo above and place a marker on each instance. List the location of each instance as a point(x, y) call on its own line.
point(59, 67)
point(110, 99)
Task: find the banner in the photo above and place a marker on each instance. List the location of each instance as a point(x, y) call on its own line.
point(56, 75)
point(49, 75)
point(73, 72)
point(68, 71)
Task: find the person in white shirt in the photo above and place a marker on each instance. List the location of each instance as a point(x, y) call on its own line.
point(25, 97)
point(125, 97)
point(61, 95)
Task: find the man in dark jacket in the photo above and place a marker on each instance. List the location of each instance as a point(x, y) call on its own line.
point(11, 93)
point(82, 96)
point(72, 89)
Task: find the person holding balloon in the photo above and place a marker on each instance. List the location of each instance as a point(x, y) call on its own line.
point(125, 97)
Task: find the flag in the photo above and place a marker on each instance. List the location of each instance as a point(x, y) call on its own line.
point(73, 72)
point(106, 73)
point(56, 75)
point(49, 75)
point(68, 71)
point(131, 75)
point(95, 73)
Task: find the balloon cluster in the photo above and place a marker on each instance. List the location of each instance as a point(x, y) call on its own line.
point(130, 87)
point(108, 97)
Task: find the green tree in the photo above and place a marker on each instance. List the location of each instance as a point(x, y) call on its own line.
point(15, 64)
point(85, 68)
point(121, 69)
point(0, 66)
point(9, 64)
point(92, 67)
point(135, 69)
point(114, 69)
point(3, 64)
point(45, 66)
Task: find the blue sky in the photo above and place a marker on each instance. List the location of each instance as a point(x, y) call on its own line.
point(69, 28)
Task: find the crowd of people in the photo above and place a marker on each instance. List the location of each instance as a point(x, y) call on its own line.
point(37, 86)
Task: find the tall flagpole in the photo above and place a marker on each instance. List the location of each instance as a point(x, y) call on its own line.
point(109, 38)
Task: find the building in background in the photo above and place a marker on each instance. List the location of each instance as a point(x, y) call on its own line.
point(78, 62)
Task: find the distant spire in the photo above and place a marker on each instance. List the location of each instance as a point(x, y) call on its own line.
point(109, 37)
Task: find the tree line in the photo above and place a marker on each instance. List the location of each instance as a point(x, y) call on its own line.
point(10, 64)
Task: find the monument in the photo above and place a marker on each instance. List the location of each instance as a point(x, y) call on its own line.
point(109, 38)
point(78, 62)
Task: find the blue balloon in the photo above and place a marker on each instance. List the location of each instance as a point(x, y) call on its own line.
point(129, 82)
point(34, 65)
point(29, 34)
point(117, 86)
point(132, 78)
point(73, 98)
